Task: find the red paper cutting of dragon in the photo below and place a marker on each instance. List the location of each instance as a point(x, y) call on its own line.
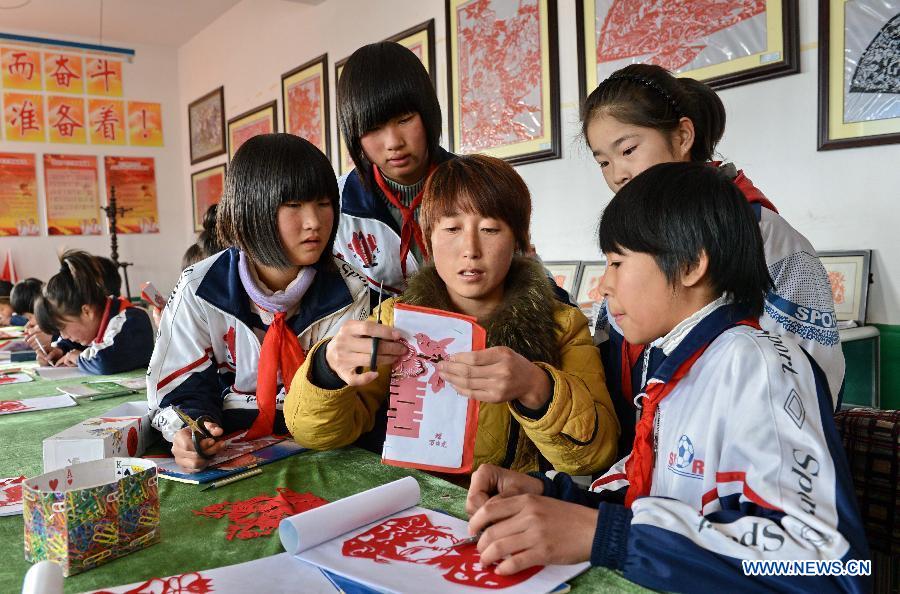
point(408, 386)
point(414, 539)
point(670, 32)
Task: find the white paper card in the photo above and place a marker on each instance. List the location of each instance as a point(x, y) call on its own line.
point(58, 373)
point(11, 495)
point(8, 407)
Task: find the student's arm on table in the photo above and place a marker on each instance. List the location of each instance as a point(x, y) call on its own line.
point(126, 344)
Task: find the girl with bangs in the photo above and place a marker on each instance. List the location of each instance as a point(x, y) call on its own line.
point(239, 323)
point(540, 381)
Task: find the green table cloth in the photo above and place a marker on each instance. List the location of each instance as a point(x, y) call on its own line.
point(191, 542)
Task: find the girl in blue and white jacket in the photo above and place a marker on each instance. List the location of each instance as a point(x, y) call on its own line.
point(736, 457)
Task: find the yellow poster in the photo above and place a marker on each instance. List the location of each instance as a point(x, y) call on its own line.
point(104, 77)
point(107, 121)
point(18, 195)
point(144, 124)
point(134, 179)
point(65, 119)
point(63, 73)
point(21, 69)
point(71, 189)
point(23, 117)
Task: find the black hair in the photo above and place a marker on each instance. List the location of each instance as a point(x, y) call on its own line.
point(24, 294)
point(675, 211)
point(5, 288)
point(381, 81)
point(266, 172)
point(208, 239)
point(650, 96)
point(109, 272)
point(79, 282)
point(192, 255)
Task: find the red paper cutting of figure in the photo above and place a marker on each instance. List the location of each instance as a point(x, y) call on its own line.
point(186, 583)
point(11, 495)
point(260, 515)
point(430, 425)
point(414, 539)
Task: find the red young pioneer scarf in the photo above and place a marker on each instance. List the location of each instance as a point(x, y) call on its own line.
point(639, 467)
point(281, 351)
point(410, 229)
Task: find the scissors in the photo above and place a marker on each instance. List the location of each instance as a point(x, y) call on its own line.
point(199, 432)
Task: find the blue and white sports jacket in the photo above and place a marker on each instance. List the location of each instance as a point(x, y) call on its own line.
point(748, 466)
point(124, 340)
point(207, 352)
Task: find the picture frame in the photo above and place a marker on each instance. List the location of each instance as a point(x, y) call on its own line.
point(849, 275)
point(344, 162)
point(588, 286)
point(757, 47)
point(565, 274)
point(503, 80)
point(858, 103)
point(206, 126)
point(253, 122)
point(205, 184)
point(304, 103)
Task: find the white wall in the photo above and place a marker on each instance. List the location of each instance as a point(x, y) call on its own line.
point(839, 199)
point(156, 257)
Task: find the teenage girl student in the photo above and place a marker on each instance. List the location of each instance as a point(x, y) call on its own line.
point(240, 322)
point(540, 381)
point(77, 306)
point(22, 299)
point(641, 116)
point(736, 457)
point(390, 118)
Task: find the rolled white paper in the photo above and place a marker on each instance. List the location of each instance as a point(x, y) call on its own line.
point(44, 577)
point(311, 528)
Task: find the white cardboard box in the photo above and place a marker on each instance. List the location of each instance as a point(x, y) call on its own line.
point(123, 431)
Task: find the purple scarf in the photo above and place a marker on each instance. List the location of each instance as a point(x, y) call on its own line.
point(280, 301)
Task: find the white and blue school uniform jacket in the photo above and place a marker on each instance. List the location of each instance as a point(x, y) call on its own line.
point(368, 236)
point(124, 341)
point(207, 352)
point(748, 466)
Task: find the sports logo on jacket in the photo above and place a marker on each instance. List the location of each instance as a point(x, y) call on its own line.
point(364, 247)
point(229, 342)
point(683, 460)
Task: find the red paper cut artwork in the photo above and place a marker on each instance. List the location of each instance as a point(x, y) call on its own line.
point(13, 406)
point(11, 490)
point(670, 33)
point(407, 389)
point(186, 583)
point(304, 111)
point(838, 282)
point(499, 65)
point(260, 515)
point(414, 539)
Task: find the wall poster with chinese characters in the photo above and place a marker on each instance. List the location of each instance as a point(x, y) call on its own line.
point(134, 179)
point(18, 195)
point(72, 195)
point(23, 117)
point(144, 124)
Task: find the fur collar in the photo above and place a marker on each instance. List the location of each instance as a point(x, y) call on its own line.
point(524, 322)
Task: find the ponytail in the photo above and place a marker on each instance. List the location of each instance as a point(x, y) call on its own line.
point(79, 282)
point(649, 96)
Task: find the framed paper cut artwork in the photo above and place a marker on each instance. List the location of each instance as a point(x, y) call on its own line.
point(589, 291)
point(859, 73)
point(848, 274)
point(724, 43)
point(503, 79)
point(206, 189)
point(206, 121)
point(304, 103)
point(420, 41)
point(259, 120)
point(565, 274)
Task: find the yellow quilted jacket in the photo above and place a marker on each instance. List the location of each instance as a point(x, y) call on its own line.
point(577, 434)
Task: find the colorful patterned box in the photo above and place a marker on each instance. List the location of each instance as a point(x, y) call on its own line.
point(87, 514)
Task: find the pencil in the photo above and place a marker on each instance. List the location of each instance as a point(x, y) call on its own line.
point(46, 355)
point(232, 479)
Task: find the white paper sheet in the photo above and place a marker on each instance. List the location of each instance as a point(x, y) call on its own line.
point(278, 574)
point(329, 537)
point(9, 407)
point(58, 373)
point(14, 378)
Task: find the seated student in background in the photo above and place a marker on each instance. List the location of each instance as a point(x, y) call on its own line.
point(22, 299)
point(77, 305)
point(6, 312)
point(642, 115)
point(736, 454)
point(540, 381)
point(240, 323)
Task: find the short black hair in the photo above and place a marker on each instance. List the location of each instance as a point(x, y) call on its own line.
point(112, 280)
point(208, 240)
point(24, 294)
point(381, 81)
point(5, 288)
point(675, 211)
point(266, 172)
point(192, 255)
point(79, 282)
